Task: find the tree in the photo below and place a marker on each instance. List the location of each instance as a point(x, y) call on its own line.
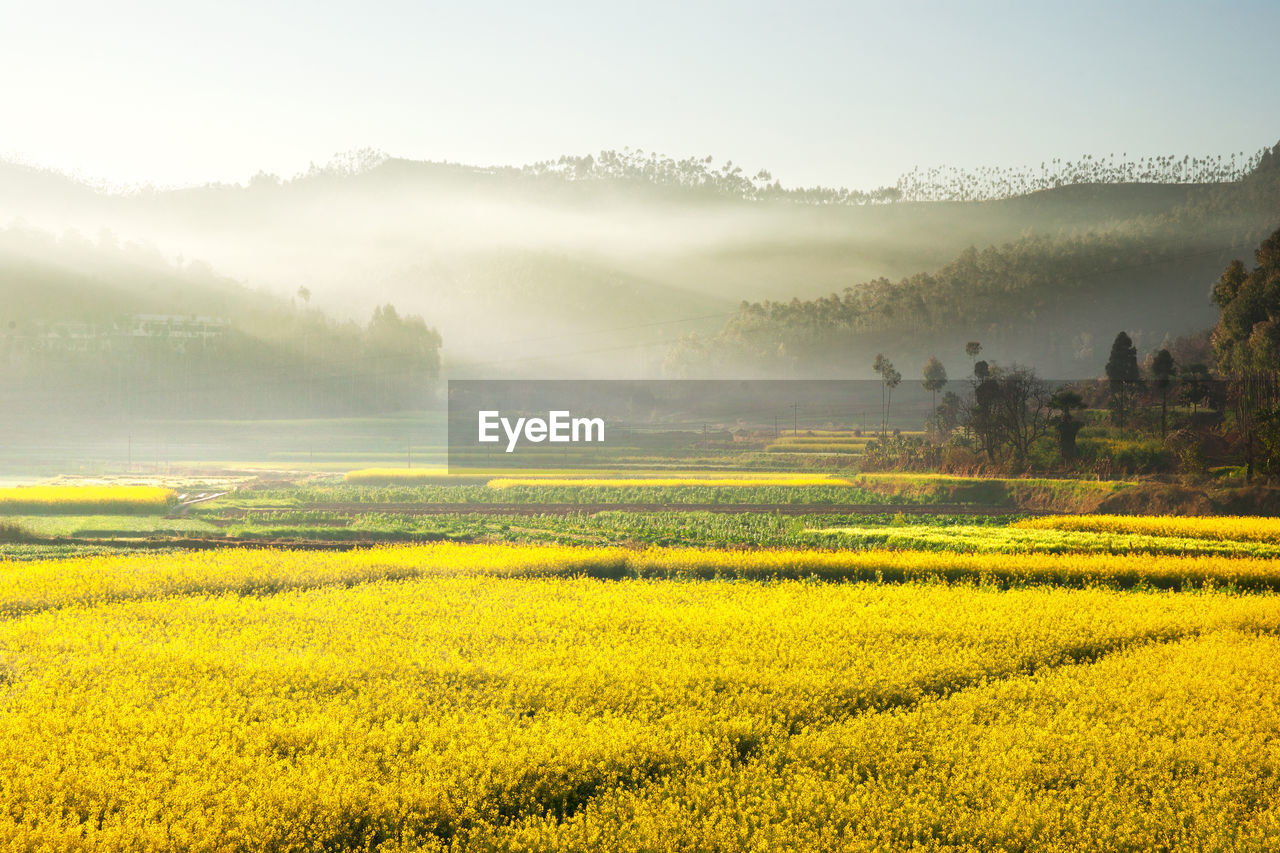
point(1247, 342)
point(892, 378)
point(404, 354)
point(934, 378)
point(1066, 401)
point(1023, 413)
point(946, 417)
point(980, 415)
point(889, 379)
point(1163, 370)
point(1010, 410)
point(972, 349)
point(1194, 390)
point(1123, 374)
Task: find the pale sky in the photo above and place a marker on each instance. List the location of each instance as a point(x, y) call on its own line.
point(841, 93)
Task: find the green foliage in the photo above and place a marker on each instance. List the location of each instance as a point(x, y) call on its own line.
point(13, 532)
point(835, 494)
point(1126, 457)
point(1247, 341)
point(122, 329)
point(935, 375)
point(1247, 338)
point(1122, 376)
point(936, 184)
point(1044, 296)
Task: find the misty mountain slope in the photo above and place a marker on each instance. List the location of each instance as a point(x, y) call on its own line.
point(1054, 302)
point(564, 304)
point(49, 280)
point(522, 268)
point(354, 239)
point(119, 332)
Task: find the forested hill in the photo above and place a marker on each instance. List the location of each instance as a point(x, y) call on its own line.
point(1053, 301)
point(102, 329)
point(525, 271)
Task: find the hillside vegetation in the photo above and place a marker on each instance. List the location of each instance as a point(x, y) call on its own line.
point(527, 271)
point(1052, 300)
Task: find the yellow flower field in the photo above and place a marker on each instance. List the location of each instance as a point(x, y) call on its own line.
point(27, 586)
point(85, 499)
point(1170, 746)
point(480, 712)
point(504, 697)
point(1248, 529)
point(1023, 538)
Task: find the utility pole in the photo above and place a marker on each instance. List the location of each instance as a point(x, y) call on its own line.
point(795, 418)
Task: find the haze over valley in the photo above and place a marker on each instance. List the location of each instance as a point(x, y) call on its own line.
point(600, 266)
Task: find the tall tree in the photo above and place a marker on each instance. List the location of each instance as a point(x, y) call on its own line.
point(1163, 370)
point(1010, 409)
point(884, 367)
point(934, 378)
point(404, 354)
point(946, 417)
point(1123, 374)
point(892, 378)
point(1247, 342)
point(1066, 401)
point(972, 349)
point(1194, 383)
point(1023, 411)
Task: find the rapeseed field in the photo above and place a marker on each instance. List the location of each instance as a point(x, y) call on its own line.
point(453, 697)
point(16, 500)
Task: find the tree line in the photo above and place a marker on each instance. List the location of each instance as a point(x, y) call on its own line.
point(1195, 412)
point(944, 183)
point(1041, 281)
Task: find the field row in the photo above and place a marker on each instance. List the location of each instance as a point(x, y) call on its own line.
point(49, 584)
point(99, 499)
point(432, 487)
point(1161, 748)
point(1019, 539)
point(365, 524)
point(651, 491)
point(556, 713)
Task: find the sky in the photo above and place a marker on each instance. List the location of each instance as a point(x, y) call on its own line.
point(838, 94)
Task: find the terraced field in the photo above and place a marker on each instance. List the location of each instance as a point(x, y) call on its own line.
point(516, 697)
point(714, 663)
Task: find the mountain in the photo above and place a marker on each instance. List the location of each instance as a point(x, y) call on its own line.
point(1054, 301)
point(102, 330)
point(598, 266)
